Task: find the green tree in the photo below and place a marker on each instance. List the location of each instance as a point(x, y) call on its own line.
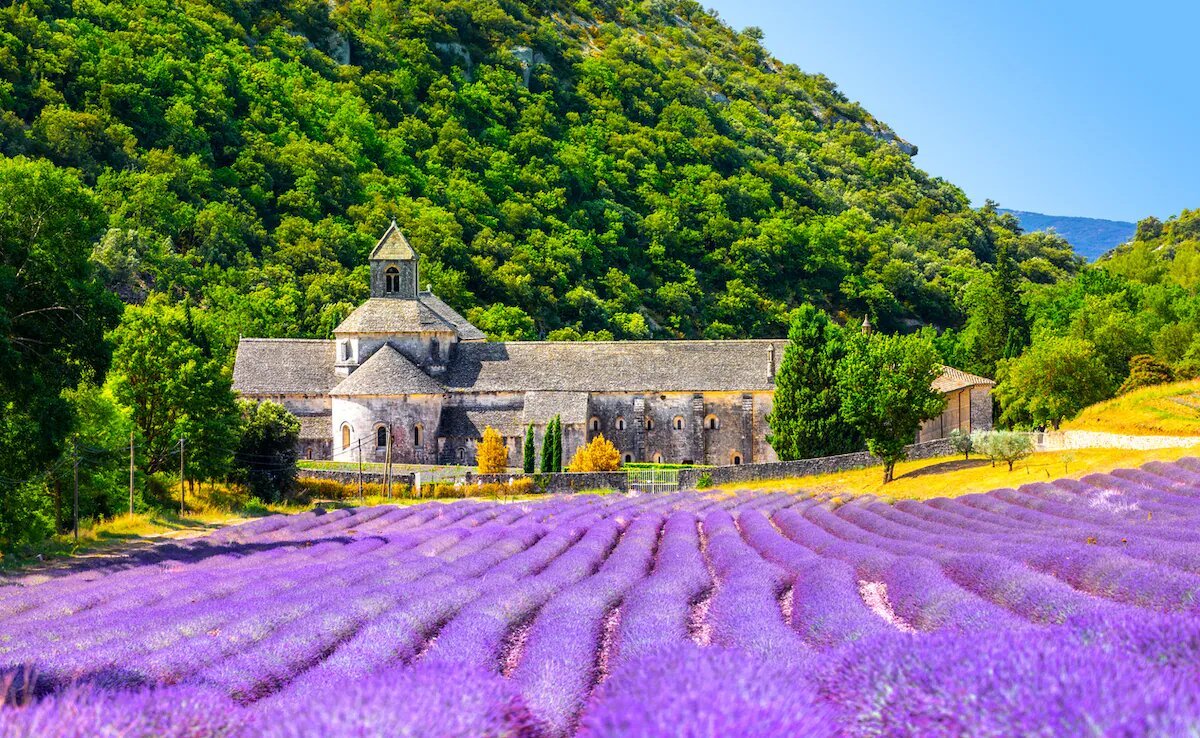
point(805, 419)
point(885, 383)
point(266, 456)
point(529, 462)
point(1052, 381)
point(557, 446)
point(102, 428)
point(53, 315)
point(175, 389)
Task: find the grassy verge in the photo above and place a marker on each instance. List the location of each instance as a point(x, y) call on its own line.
point(1164, 410)
point(953, 476)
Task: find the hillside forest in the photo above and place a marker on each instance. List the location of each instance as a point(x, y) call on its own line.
point(176, 174)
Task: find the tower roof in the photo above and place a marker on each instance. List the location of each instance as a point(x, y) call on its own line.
point(389, 374)
point(393, 246)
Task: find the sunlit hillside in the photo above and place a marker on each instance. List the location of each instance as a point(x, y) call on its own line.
point(1164, 410)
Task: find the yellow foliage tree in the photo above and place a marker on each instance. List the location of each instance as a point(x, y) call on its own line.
point(599, 455)
point(492, 454)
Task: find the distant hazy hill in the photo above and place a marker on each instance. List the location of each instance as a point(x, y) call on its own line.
point(1091, 237)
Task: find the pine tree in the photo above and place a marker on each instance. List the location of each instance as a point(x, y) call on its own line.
point(529, 450)
point(547, 449)
point(805, 419)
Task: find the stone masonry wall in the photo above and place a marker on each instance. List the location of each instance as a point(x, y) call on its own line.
point(561, 483)
point(688, 478)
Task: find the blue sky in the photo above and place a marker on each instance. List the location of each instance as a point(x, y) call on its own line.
point(1065, 108)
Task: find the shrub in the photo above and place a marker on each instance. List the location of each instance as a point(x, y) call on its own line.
point(705, 481)
point(492, 454)
point(599, 455)
point(1146, 371)
point(961, 443)
point(1006, 446)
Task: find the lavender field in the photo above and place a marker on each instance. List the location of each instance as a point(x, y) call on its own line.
point(1057, 609)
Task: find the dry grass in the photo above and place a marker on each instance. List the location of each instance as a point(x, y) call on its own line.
point(1165, 410)
point(950, 477)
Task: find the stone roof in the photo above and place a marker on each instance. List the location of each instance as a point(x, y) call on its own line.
point(459, 422)
point(316, 427)
point(389, 374)
point(394, 315)
point(393, 246)
point(614, 366)
point(466, 331)
point(284, 366)
point(954, 379)
point(571, 407)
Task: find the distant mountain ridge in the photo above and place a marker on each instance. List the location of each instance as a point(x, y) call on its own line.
point(1091, 237)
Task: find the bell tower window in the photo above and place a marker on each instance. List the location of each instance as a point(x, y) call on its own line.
point(391, 280)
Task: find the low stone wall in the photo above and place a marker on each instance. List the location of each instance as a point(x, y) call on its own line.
point(351, 477)
point(562, 482)
point(747, 473)
point(1075, 439)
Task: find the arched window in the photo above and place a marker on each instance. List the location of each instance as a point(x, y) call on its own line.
point(712, 422)
point(391, 280)
point(594, 424)
point(620, 423)
point(418, 433)
point(462, 454)
point(381, 439)
point(435, 348)
point(657, 458)
point(649, 423)
point(678, 422)
point(628, 458)
point(308, 453)
point(736, 458)
point(345, 436)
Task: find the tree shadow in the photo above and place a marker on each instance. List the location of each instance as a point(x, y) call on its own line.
point(944, 467)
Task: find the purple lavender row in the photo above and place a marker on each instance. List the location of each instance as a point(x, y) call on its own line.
point(827, 605)
point(655, 612)
point(564, 652)
point(746, 612)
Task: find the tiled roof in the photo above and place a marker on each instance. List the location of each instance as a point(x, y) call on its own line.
point(389, 374)
point(461, 422)
point(571, 407)
point(614, 366)
point(952, 379)
point(393, 245)
point(316, 427)
point(466, 331)
point(284, 366)
point(393, 315)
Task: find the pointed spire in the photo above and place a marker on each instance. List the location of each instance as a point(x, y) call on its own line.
point(866, 325)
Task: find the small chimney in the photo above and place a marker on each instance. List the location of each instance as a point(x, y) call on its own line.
point(866, 325)
point(771, 361)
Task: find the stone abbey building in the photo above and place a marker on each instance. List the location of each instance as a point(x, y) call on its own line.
point(406, 370)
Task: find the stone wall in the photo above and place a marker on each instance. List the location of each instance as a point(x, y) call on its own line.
point(1073, 439)
point(365, 415)
point(746, 473)
point(560, 483)
point(981, 408)
point(351, 477)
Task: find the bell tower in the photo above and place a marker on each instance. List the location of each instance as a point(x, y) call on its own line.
point(395, 266)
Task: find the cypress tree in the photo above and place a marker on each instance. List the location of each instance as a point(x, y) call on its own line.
point(529, 460)
point(558, 444)
point(547, 446)
point(805, 419)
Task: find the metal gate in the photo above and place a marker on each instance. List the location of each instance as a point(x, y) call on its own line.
point(653, 480)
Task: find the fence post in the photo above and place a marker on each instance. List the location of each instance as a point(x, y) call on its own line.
point(131, 472)
point(182, 491)
point(75, 471)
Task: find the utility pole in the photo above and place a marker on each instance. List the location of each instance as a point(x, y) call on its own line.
point(360, 489)
point(131, 473)
point(181, 490)
point(75, 470)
